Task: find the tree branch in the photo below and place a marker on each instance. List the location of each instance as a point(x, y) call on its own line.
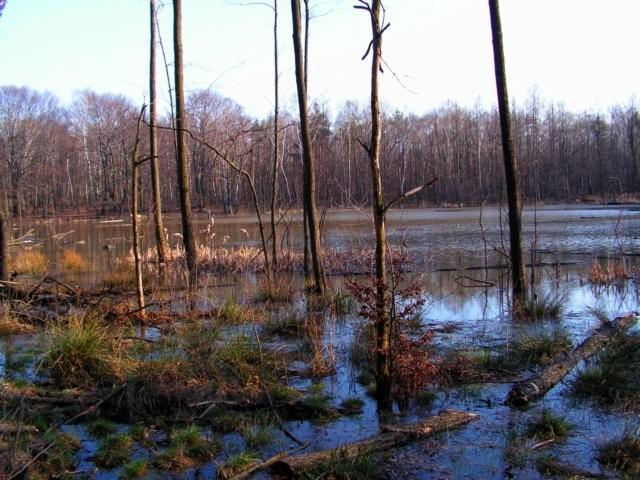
point(408, 194)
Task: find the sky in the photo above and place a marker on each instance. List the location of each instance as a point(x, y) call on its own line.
point(583, 53)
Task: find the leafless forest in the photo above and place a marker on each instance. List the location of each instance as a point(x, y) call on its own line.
point(58, 159)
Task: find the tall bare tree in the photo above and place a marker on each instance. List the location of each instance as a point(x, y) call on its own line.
point(308, 155)
point(4, 244)
point(161, 241)
point(136, 162)
point(519, 286)
point(182, 159)
point(276, 139)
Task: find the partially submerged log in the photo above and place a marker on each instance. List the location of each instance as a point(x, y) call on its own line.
point(526, 391)
point(391, 437)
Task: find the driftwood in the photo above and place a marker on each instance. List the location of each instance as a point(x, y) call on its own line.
point(537, 386)
point(391, 437)
point(8, 428)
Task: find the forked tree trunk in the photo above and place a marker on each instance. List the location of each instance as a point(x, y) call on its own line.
point(308, 156)
point(182, 160)
point(4, 245)
point(161, 241)
point(383, 321)
point(519, 286)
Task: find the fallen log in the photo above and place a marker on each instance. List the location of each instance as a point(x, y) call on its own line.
point(11, 429)
point(390, 437)
point(526, 391)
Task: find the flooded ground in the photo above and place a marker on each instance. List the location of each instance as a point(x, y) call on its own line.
point(450, 247)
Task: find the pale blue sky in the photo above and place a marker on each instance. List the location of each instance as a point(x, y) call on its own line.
point(582, 52)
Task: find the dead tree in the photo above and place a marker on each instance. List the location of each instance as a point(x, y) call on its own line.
point(308, 157)
point(182, 159)
point(519, 286)
point(4, 245)
point(135, 193)
point(276, 139)
point(384, 302)
point(161, 241)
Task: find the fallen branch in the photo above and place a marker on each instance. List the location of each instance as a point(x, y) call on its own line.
point(10, 429)
point(391, 437)
point(537, 386)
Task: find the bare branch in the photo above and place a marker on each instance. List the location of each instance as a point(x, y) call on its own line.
point(408, 194)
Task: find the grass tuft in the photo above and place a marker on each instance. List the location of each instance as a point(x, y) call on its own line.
point(364, 467)
point(622, 455)
point(277, 290)
point(114, 451)
point(548, 426)
point(550, 307)
point(136, 469)
point(72, 261)
point(237, 463)
point(30, 262)
point(614, 378)
point(80, 352)
point(101, 427)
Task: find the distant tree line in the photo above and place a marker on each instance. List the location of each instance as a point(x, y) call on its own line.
point(57, 159)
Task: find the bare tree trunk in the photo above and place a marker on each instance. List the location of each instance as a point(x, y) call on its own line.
point(305, 221)
point(135, 167)
point(308, 156)
point(276, 113)
point(161, 241)
point(519, 286)
point(184, 186)
point(4, 245)
point(383, 322)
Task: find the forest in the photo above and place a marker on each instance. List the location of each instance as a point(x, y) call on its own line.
point(85, 148)
point(357, 294)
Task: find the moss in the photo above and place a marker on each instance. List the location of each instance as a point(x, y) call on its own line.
point(114, 451)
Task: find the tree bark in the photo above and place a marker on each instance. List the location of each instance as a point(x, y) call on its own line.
point(135, 167)
point(526, 391)
point(308, 156)
point(519, 286)
point(184, 186)
point(4, 246)
point(391, 437)
point(161, 241)
point(276, 125)
point(383, 321)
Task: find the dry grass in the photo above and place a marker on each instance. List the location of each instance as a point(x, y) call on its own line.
point(72, 261)
point(30, 262)
point(277, 290)
point(10, 325)
point(613, 272)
